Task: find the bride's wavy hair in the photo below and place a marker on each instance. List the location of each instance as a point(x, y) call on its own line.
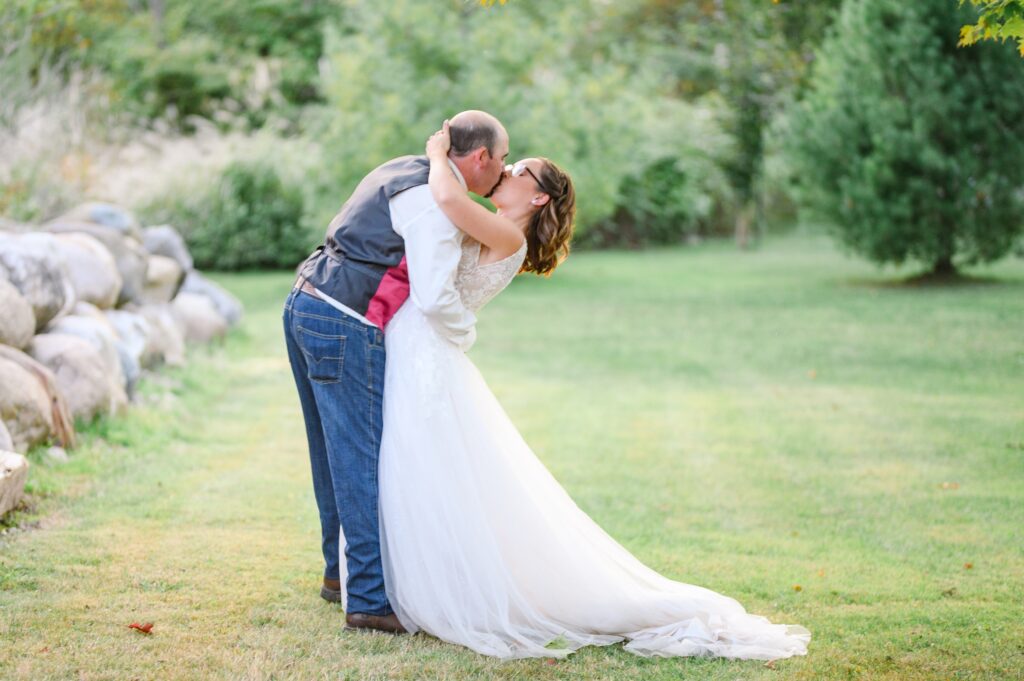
point(550, 228)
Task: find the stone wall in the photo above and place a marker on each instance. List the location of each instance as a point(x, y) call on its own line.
point(88, 302)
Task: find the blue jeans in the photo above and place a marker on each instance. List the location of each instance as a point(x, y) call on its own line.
point(338, 364)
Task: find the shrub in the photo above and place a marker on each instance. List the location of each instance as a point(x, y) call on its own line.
point(249, 218)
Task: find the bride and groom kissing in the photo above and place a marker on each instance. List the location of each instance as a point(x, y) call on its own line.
point(449, 522)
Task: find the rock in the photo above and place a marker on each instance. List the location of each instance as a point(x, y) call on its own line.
point(58, 423)
point(163, 280)
point(82, 374)
point(93, 327)
point(128, 355)
point(6, 442)
point(198, 318)
point(108, 215)
point(167, 241)
point(166, 341)
point(33, 265)
point(84, 309)
point(17, 321)
point(229, 307)
point(134, 331)
point(130, 256)
point(24, 406)
point(93, 270)
point(13, 475)
point(56, 455)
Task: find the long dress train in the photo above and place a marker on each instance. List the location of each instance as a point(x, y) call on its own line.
point(481, 545)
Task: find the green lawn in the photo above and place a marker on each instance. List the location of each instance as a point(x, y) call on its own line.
point(787, 426)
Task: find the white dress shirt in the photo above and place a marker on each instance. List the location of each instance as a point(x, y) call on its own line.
point(433, 248)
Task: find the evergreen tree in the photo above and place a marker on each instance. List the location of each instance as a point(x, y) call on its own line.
point(911, 147)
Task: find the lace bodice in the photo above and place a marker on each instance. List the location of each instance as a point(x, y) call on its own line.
point(476, 283)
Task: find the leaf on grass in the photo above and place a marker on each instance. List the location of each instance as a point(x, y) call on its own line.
point(144, 628)
point(797, 587)
point(950, 485)
point(968, 566)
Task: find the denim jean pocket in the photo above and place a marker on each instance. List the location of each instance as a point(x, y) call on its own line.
point(325, 355)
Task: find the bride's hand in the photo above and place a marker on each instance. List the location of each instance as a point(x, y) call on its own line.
point(439, 143)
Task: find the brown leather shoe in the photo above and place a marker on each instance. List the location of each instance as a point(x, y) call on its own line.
point(331, 590)
point(386, 623)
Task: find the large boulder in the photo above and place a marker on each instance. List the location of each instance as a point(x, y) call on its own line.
point(13, 474)
point(129, 255)
point(133, 333)
point(24, 406)
point(229, 307)
point(164, 277)
point(198, 318)
point(129, 352)
point(81, 373)
point(32, 263)
point(167, 241)
point(60, 424)
point(17, 321)
point(166, 341)
point(93, 270)
point(108, 215)
point(92, 326)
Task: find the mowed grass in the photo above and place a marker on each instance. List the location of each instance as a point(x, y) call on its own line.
point(787, 426)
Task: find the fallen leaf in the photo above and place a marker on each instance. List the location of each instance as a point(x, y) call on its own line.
point(968, 566)
point(950, 485)
point(821, 572)
point(797, 587)
point(144, 628)
point(770, 664)
point(550, 661)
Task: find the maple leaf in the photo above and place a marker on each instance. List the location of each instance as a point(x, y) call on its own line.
point(146, 628)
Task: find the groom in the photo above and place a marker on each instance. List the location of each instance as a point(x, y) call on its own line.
point(389, 242)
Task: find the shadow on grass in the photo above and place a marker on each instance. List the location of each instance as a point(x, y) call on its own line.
point(928, 280)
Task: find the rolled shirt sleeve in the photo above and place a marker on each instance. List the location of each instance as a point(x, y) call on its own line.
point(433, 248)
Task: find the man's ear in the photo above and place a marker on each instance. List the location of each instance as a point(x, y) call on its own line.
point(480, 155)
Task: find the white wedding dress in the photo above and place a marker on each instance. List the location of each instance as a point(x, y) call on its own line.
point(481, 545)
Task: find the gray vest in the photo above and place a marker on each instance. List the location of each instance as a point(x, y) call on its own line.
point(361, 262)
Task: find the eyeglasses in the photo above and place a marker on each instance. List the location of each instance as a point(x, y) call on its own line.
point(519, 168)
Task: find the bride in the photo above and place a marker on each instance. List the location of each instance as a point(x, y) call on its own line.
point(481, 545)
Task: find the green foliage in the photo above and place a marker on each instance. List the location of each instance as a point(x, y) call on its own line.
point(187, 56)
point(912, 146)
point(569, 95)
point(999, 20)
point(250, 218)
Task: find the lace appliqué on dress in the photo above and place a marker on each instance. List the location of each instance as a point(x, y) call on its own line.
point(477, 283)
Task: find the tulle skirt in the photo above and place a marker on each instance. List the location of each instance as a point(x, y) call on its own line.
point(483, 548)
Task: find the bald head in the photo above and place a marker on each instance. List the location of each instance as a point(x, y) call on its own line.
point(474, 129)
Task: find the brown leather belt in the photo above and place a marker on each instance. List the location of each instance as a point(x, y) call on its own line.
point(306, 287)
